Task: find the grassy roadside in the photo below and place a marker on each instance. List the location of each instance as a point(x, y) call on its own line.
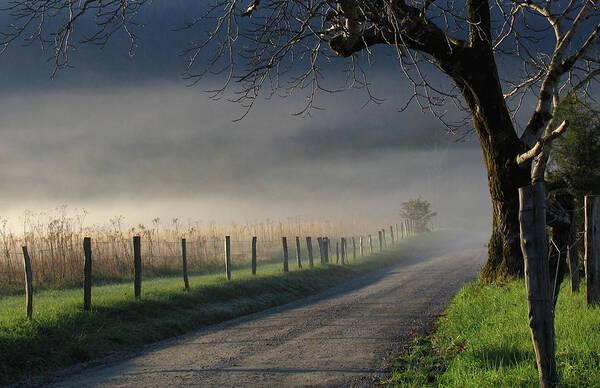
point(484, 341)
point(62, 334)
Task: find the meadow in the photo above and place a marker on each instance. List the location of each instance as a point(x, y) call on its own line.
point(55, 242)
point(484, 340)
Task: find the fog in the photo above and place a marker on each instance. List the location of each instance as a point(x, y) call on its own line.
point(163, 150)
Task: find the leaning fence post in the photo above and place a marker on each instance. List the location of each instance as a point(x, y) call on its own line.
point(254, 255)
point(309, 249)
point(285, 254)
point(87, 273)
point(228, 257)
point(380, 241)
point(137, 267)
point(592, 248)
point(186, 282)
point(298, 258)
point(28, 284)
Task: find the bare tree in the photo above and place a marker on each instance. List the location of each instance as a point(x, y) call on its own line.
point(496, 55)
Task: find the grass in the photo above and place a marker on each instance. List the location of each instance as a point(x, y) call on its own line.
point(62, 334)
point(54, 242)
point(484, 341)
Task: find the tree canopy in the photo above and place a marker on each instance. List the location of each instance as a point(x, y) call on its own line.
point(419, 212)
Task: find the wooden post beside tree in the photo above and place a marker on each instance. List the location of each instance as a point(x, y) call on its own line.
point(540, 304)
point(592, 248)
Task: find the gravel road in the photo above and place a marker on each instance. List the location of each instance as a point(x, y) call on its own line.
point(343, 337)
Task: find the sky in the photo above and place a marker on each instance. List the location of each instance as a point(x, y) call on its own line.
point(126, 136)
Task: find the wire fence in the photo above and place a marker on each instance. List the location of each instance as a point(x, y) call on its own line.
point(58, 260)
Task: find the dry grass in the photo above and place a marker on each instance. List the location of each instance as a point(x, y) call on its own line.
point(55, 246)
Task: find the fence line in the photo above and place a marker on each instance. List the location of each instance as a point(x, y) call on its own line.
point(142, 253)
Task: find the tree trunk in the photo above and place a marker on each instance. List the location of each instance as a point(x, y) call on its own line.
point(505, 258)
point(475, 74)
point(540, 305)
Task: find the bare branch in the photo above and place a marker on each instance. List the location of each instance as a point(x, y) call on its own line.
point(539, 146)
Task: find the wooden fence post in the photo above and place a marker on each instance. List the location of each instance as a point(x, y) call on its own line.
point(337, 252)
point(254, 255)
point(353, 248)
point(380, 241)
point(397, 233)
point(186, 281)
point(87, 273)
point(370, 244)
point(137, 267)
point(298, 258)
point(392, 233)
point(228, 257)
point(310, 253)
point(326, 249)
point(540, 303)
point(384, 240)
point(286, 267)
point(320, 243)
point(28, 284)
point(592, 248)
point(344, 250)
point(361, 250)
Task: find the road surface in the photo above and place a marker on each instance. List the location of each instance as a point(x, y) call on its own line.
point(343, 337)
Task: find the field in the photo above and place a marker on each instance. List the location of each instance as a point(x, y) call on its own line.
point(484, 341)
point(55, 243)
point(62, 334)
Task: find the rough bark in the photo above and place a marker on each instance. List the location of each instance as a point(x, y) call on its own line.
point(470, 69)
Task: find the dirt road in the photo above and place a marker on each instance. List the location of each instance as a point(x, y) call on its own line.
point(343, 337)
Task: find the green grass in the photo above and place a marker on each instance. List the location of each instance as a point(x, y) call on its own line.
point(484, 341)
point(62, 334)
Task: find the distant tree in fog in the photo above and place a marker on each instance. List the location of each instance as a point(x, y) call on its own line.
point(419, 212)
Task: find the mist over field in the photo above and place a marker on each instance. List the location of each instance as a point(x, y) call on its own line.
point(124, 136)
point(163, 150)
